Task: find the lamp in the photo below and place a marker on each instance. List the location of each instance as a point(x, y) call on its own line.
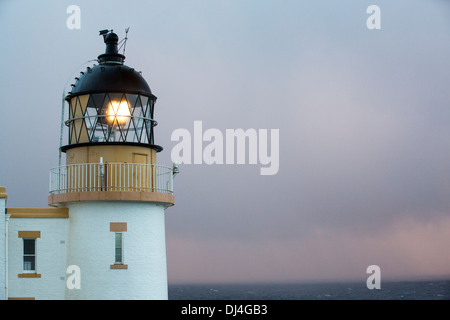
point(118, 110)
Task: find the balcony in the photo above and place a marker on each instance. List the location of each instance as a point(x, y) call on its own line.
point(111, 181)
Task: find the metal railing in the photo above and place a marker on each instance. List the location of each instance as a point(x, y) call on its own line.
point(85, 177)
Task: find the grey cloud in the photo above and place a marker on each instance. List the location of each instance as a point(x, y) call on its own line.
point(363, 119)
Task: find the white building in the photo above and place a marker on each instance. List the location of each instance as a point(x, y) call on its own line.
point(103, 236)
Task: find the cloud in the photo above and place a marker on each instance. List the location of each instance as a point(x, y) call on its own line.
point(363, 116)
point(409, 249)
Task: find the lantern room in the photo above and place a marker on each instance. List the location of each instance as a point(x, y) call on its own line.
point(110, 103)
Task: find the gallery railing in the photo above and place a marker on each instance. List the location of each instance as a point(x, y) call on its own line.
point(86, 177)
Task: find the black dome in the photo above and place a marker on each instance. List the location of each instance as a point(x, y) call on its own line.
point(110, 75)
point(111, 78)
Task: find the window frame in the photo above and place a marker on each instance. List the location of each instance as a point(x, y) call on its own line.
point(29, 255)
point(121, 248)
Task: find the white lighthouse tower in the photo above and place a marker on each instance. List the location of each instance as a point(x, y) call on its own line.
point(114, 190)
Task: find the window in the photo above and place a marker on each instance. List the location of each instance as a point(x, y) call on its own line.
point(111, 117)
point(29, 255)
point(119, 228)
point(119, 248)
point(29, 239)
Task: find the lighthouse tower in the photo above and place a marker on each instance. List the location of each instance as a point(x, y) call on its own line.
point(115, 191)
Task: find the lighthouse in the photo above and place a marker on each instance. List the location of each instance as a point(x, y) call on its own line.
point(114, 190)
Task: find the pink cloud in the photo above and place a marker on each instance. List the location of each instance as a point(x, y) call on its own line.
point(408, 249)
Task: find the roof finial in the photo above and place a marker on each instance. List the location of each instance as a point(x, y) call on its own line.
point(111, 54)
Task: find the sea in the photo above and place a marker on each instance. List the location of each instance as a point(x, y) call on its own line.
point(392, 290)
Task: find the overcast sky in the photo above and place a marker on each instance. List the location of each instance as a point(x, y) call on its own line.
point(363, 117)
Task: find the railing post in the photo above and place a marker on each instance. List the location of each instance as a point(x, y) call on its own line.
point(102, 174)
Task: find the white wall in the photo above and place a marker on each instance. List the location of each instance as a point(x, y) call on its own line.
point(2, 250)
point(91, 247)
point(51, 253)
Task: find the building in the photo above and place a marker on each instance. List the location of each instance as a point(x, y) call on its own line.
point(103, 234)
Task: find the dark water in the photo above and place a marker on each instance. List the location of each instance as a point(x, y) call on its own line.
point(404, 290)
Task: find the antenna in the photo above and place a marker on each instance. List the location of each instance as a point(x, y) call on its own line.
point(124, 40)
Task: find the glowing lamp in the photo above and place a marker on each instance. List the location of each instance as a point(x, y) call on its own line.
point(119, 111)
